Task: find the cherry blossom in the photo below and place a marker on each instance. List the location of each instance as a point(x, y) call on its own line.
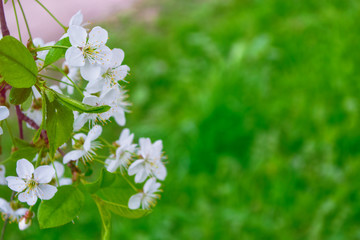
point(147, 198)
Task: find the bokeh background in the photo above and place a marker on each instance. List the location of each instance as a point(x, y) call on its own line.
point(257, 103)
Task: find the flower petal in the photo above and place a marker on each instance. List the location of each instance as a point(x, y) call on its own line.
point(80, 121)
point(141, 176)
point(28, 196)
point(117, 57)
point(151, 186)
point(90, 71)
point(46, 191)
point(98, 36)
point(77, 36)
point(74, 57)
point(5, 206)
point(44, 174)
point(77, 19)
point(112, 165)
point(159, 171)
point(73, 156)
point(134, 201)
point(59, 168)
point(93, 134)
point(136, 167)
point(16, 184)
point(24, 169)
point(4, 112)
point(65, 181)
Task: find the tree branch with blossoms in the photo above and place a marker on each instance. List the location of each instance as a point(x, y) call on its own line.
point(58, 161)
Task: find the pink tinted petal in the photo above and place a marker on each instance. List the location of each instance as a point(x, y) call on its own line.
point(74, 57)
point(44, 174)
point(98, 36)
point(77, 36)
point(46, 191)
point(16, 184)
point(24, 169)
point(135, 200)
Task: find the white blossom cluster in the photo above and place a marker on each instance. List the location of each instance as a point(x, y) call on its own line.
point(87, 58)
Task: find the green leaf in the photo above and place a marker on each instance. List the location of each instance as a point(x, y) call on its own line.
point(59, 124)
point(27, 104)
point(105, 215)
point(116, 197)
point(79, 106)
point(23, 152)
point(104, 180)
point(57, 53)
point(17, 65)
point(19, 95)
point(62, 208)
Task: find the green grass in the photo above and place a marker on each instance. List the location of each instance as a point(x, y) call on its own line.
point(257, 103)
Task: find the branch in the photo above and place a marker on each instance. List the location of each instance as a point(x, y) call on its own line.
point(4, 28)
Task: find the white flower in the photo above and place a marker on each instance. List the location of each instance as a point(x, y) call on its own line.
point(88, 53)
point(24, 223)
point(10, 213)
point(4, 113)
point(2, 175)
point(111, 74)
point(34, 182)
point(147, 198)
point(60, 170)
point(150, 163)
point(41, 55)
point(84, 145)
point(125, 148)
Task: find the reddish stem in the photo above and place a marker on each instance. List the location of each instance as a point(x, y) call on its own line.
point(4, 28)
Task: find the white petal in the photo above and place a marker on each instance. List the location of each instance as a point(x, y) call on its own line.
point(59, 168)
point(95, 86)
point(136, 167)
point(1, 131)
point(28, 196)
point(73, 156)
point(98, 36)
point(90, 71)
point(23, 225)
point(119, 116)
point(4, 112)
point(117, 57)
point(159, 171)
point(16, 184)
point(151, 186)
point(121, 72)
point(77, 36)
point(21, 212)
point(141, 176)
point(74, 57)
point(80, 121)
point(46, 191)
point(112, 165)
point(65, 181)
point(92, 100)
point(77, 19)
point(24, 169)
point(134, 201)
point(93, 134)
point(44, 174)
point(5, 206)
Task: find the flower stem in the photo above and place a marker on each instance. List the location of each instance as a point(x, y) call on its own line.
point(17, 20)
point(4, 28)
point(49, 47)
point(54, 79)
point(47, 10)
point(26, 22)
point(63, 73)
point(10, 132)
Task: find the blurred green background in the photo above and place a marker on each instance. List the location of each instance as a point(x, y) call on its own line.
point(257, 103)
